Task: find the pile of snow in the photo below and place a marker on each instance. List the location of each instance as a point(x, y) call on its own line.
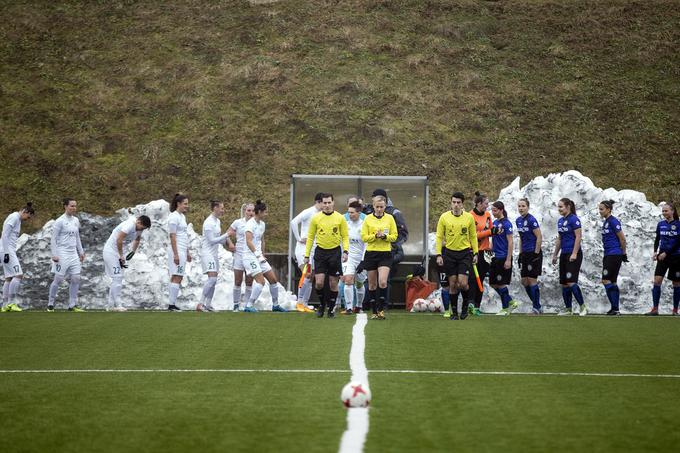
point(638, 217)
point(146, 279)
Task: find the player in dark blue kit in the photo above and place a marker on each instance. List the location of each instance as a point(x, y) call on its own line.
point(568, 249)
point(530, 256)
point(667, 257)
point(614, 243)
point(500, 271)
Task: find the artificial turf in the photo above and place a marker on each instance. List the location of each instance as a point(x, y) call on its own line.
point(250, 411)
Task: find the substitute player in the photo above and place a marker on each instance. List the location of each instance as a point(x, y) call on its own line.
point(351, 275)
point(67, 255)
point(379, 231)
point(457, 229)
point(667, 257)
point(328, 229)
point(115, 261)
point(11, 230)
point(210, 252)
point(500, 271)
point(530, 255)
point(483, 224)
point(614, 243)
point(300, 228)
point(237, 229)
point(178, 248)
point(255, 261)
point(568, 250)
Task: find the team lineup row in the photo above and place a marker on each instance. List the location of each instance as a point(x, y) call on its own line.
point(341, 252)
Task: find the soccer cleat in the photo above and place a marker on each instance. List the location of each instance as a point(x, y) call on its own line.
point(279, 308)
point(349, 311)
point(209, 308)
point(464, 314)
point(381, 315)
point(476, 311)
point(50, 308)
point(250, 310)
point(675, 312)
point(3, 309)
point(470, 310)
point(454, 317)
point(236, 307)
point(536, 311)
point(512, 306)
point(173, 308)
point(76, 309)
point(583, 311)
point(374, 316)
point(653, 312)
point(331, 313)
point(309, 309)
point(320, 312)
point(300, 307)
point(565, 312)
point(447, 314)
point(503, 312)
point(613, 312)
point(356, 310)
point(12, 307)
point(121, 309)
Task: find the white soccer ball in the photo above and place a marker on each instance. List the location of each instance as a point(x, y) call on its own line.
point(435, 305)
point(355, 394)
point(420, 305)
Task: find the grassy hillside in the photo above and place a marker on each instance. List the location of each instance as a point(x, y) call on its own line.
point(121, 102)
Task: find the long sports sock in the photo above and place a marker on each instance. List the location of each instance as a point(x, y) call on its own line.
point(676, 297)
point(537, 296)
point(578, 295)
point(349, 296)
point(566, 296)
point(332, 298)
point(371, 298)
point(236, 295)
point(257, 289)
point(656, 295)
point(174, 292)
point(321, 294)
point(382, 298)
point(530, 293)
point(209, 289)
point(54, 287)
point(5, 292)
point(114, 291)
point(73, 291)
point(505, 296)
point(361, 293)
point(274, 291)
point(453, 299)
point(249, 291)
point(302, 292)
point(14, 289)
point(446, 298)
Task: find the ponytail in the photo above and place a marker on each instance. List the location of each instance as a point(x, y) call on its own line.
point(479, 198)
point(28, 209)
point(570, 203)
point(177, 199)
point(673, 208)
point(501, 206)
point(609, 204)
point(260, 206)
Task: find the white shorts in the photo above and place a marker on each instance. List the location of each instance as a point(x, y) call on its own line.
point(112, 265)
point(177, 269)
point(13, 268)
point(349, 267)
point(67, 265)
point(238, 262)
point(300, 254)
point(255, 266)
point(210, 263)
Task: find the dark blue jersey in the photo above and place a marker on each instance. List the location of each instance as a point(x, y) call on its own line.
point(526, 226)
point(612, 245)
point(566, 227)
point(668, 236)
point(500, 241)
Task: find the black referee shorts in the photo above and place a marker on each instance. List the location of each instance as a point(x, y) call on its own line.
point(328, 261)
point(457, 262)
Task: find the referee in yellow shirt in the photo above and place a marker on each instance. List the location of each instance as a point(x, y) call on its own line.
point(329, 229)
point(458, 231)
point(378, 231)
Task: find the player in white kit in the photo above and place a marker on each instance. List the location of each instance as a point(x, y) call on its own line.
point(210, 252)
point(115, 261)
point(352, 276)
point(255, 262)
point(11, 230)
point(238, 230)
point(67, 255)
point(300, 226)
point(178, 248)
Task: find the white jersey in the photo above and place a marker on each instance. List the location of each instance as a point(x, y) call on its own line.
point(257, 229)
point(211, 240)
point(129, 227)
point(356, 245)
point(177, 223)
point(239, 225)
point(66, 236)
point(303, 220)
point(10, 232)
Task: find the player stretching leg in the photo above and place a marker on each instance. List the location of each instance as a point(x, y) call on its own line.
point(329, 229)
point(379, 231)
point(210, 252)
point(238, 231)
point(67, 255)
point(178, 248)
point(568, 248)
point(11, 230)
point(115, 260)
point(256, 263)
point(300, 228)
point(530, 256)
point(667, 257)
point(456, 228)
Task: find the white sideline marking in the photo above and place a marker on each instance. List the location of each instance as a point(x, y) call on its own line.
point(435, 372)
point(354, 437)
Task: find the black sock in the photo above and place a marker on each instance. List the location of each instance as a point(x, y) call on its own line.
point(322, 300)
point(466, 299)
point(371, 301)
point(382, 298)
point(331, 300)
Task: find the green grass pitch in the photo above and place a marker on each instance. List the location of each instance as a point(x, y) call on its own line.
point(292, 411)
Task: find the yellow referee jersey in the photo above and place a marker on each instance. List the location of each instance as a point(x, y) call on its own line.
point(329, 230)
point(371, 225)
point(458, 232)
